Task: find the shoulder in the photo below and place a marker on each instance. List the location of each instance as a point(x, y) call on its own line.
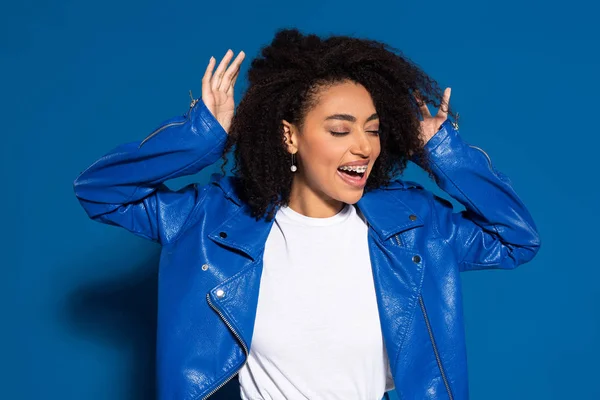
point(225, 187)
point(400, 184)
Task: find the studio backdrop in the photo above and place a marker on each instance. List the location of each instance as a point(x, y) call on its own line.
point(79, 78)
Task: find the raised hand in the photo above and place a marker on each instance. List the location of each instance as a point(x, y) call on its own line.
point(431, 124)
point(217, 88)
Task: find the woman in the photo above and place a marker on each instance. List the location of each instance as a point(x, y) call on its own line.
point(313, 273)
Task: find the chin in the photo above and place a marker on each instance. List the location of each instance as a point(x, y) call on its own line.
point(351, 198)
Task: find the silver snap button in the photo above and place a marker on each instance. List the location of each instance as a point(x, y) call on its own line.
point(204, 267)
point(416, 259)
point(220, 293)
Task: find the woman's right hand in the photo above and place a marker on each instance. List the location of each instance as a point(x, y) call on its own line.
point(217, 88)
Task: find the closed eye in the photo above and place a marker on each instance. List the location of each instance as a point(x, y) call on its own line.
point(334, 133)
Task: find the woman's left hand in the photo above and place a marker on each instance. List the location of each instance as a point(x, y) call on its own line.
point(430, 125)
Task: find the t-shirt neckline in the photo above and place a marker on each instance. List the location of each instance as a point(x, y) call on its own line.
point(295, 217)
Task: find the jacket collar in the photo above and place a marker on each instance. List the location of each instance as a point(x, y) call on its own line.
point(240, 231)
point(383, 209)
point(386, 213)
point(243, 233)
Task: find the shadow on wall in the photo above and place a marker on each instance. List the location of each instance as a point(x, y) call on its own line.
point(121, 312)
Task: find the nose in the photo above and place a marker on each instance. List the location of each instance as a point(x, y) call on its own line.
point(362, 145)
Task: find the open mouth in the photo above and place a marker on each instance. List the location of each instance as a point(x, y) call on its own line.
point(353, 175)
point(354, 171)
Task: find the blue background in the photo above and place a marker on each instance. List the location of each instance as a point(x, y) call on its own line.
point(78, 78)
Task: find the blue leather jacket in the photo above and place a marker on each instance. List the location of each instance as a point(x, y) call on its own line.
point(211, 259)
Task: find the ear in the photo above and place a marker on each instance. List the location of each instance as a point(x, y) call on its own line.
point(290, 136)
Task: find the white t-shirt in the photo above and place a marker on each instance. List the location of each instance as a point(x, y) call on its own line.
point(317, 333)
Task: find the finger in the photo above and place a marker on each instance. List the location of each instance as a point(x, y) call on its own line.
point(443, 111)
point(230, 90)
point(233, 69)
point(422, 105)
point(206, 90)
point(216, 79)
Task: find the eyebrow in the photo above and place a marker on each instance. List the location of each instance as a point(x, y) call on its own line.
point(351, 118)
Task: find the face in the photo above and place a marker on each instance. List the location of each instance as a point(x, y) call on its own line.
point(337, 146)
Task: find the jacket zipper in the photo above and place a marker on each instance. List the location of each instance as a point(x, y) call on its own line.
point(237, 337)
point(160, 129)
point(435, 350)
point(157, 131)
point(429, 330)
point(398, 240)
point(484, 153)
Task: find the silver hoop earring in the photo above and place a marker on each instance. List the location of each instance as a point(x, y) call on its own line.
point(293, 168)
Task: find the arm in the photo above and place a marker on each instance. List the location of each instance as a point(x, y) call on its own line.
point(126, 186)
point(495, 230)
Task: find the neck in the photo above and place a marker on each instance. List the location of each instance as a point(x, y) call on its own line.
point(310, 203)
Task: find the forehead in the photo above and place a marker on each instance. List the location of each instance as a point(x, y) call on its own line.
point(347, 97)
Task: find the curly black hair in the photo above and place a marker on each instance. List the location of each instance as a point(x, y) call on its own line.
point(283, 83)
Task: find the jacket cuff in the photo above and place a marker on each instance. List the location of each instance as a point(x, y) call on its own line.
point(445, 133)
point(202, 116)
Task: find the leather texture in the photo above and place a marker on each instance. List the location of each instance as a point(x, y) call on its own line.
point(211, 258)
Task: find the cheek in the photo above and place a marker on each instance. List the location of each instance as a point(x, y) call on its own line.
point(325, 153)
point(376, 146)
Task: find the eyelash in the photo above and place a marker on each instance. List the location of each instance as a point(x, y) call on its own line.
point(334, 133)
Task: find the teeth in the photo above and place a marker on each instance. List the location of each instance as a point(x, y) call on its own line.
point(358, 169)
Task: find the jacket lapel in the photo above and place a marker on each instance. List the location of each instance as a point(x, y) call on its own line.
point(398, 278)
point(236, 298)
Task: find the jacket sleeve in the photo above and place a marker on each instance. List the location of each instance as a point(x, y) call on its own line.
point(495, 230)
point(126, 186)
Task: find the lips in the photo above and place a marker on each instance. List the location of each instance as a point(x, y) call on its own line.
point(354, 174)
point(354, 181)
point(356, 163)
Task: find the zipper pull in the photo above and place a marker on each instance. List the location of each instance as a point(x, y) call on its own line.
point(193, 100)
point(454, 123)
